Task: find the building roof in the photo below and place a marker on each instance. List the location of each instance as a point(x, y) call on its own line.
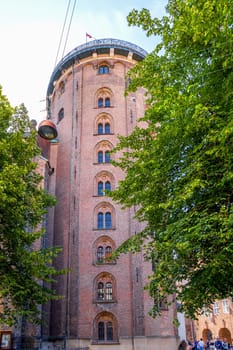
point(99, 46)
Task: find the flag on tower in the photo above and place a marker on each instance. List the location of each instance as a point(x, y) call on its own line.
point(88, 35)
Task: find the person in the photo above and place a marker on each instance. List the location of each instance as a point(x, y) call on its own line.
point(201, 345)
point(211, 347)
point(218, 344)
point(225, 345)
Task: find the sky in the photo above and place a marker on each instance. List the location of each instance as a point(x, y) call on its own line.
point(31, 31)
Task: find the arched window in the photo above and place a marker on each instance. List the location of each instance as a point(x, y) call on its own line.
point(100, 223)
point(60, 115)
point(108, 220)
point(104, 216)
point(102, 251)
point(100, 129)
point(105, 284)
point(100, 157)
point(104, 69)
point(105, 328)
point(108, 181)
point(100, 188)
point(104, 97)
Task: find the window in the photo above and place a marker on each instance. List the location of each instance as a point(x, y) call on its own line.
point(216, 308)
point(103, 186)
point(104, 157)
point(109, 291)
point(100, 102)
point(105, 331)
point(107, 128)
point(100, 157)
point(100, 224)
point(102, 251)
point(104, 102)
point(108, 220)
point(100, 129)
point(103, 128)
point(104, 216)
point(107, 102)
point(107, 157)
point(60, 115)
point(100, 254)
point(225, 306)
point(103, 254)
point(100, 188)
point(104, 291)
point(104, 220)
point(100, 291)
point(103, 182)
point(105, 328)
point(104, 69)
point(101, 327)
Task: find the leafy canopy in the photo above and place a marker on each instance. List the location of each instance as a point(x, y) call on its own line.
point(25, 266)
point(179, 169)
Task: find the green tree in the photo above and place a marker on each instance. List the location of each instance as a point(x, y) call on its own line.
point(179, 169)
point(24, 269)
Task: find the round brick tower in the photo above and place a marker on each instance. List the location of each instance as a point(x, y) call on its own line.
point(104, 302)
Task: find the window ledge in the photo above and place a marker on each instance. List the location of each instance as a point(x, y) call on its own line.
point(96, 301)
point(104, 263)
point(107, 342)
point(104, 229)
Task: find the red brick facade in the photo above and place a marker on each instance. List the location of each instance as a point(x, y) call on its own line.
point(104, 302)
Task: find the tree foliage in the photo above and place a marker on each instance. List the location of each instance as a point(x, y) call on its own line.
point(25, 266)
point(179, 169)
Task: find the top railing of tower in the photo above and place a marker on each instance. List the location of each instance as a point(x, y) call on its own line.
point(91, 46)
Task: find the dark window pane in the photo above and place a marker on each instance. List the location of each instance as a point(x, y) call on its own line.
point(107, 102)
point(100, 102)
point(108, 251)
point(108, 220)
point(107, 128)
point(108, 185)
point(61, 114)
point(100, 157)
point(101, 331)
point(100, 253)
point(109, 331)
point(103, 70)
point(107, 157)
point(100, 220)
point(109, 291)
point(100, 292)
point(100, 188)
point(100, 129)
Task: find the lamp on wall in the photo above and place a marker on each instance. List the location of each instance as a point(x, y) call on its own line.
point(47, 130)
